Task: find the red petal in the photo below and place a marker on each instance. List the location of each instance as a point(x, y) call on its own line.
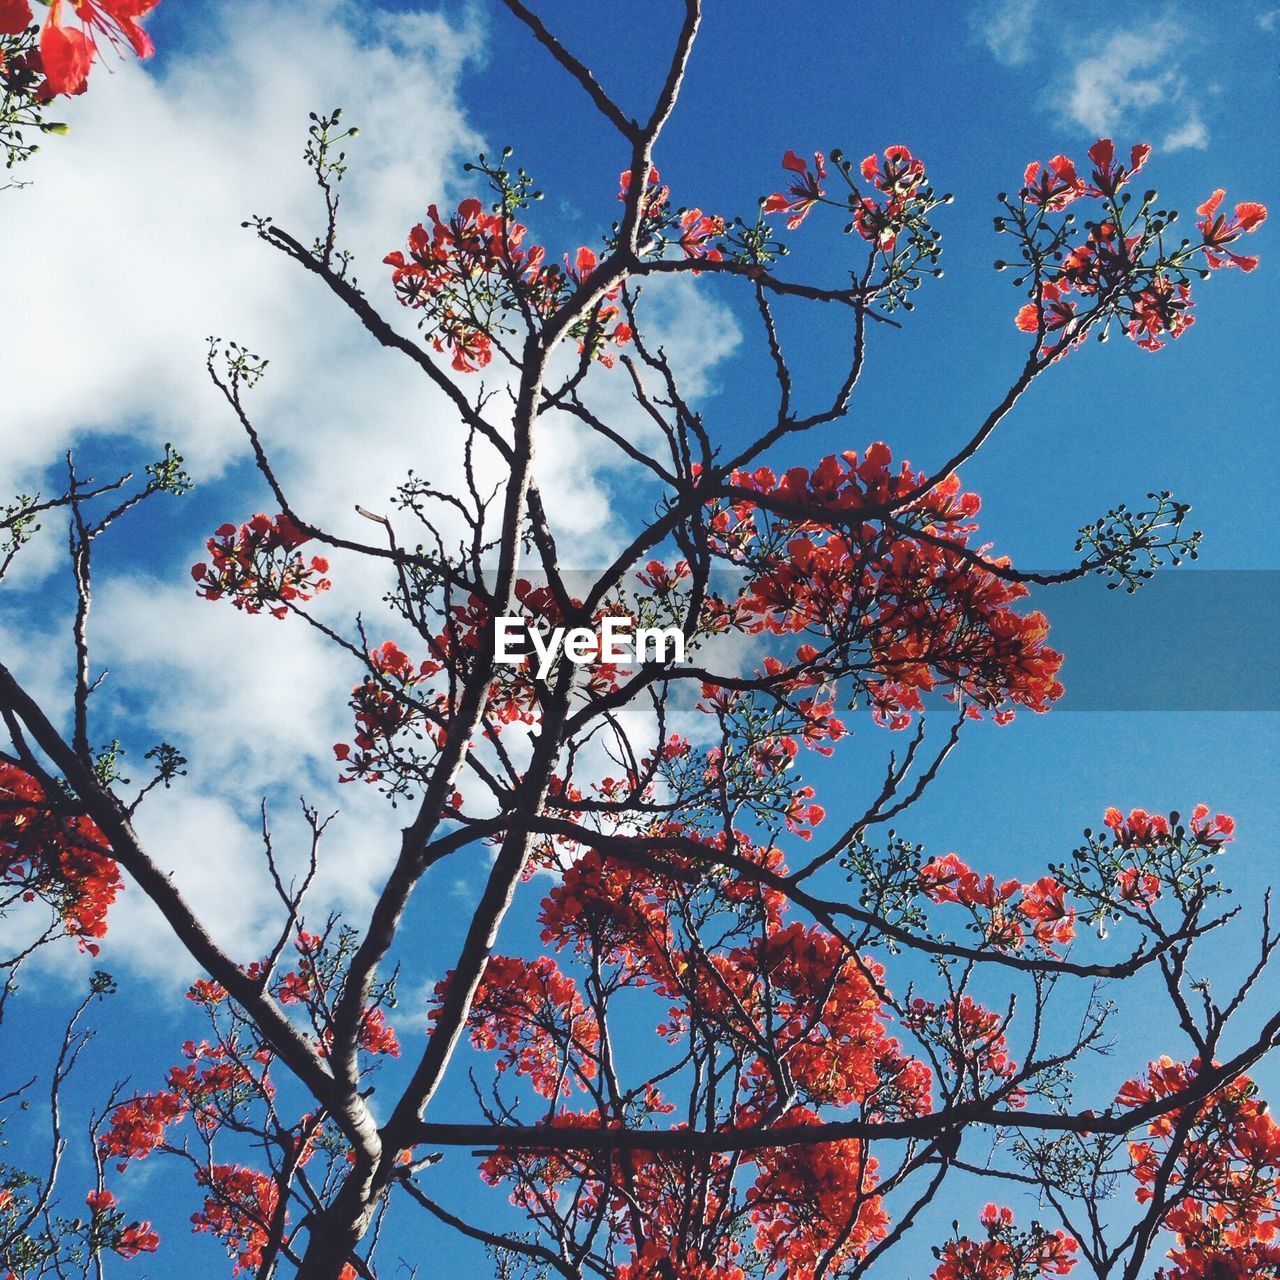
point(797, 164)
point(126, 14)
point(1210, 206)
point(15, 17)
point(1250, 215)
point(67, 57)
point(1028, 318)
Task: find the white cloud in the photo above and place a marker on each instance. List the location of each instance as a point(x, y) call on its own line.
point(1126, 78)
point(133, 254)
point(214, 853)
point(1112, 80)
point(1007, 28)
point(697, 333)
point(1191, 135)
point(1128, 74)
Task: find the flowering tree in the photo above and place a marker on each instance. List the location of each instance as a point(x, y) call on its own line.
point(721, 1061)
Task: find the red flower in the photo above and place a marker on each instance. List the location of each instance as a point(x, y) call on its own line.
point(1221, 827)
point(207, 992)
point(472, 350)
point(1165, 308)
point(1054, 185)
point(947, 879)
point(377, 1035)
point(240, 1205)
point(1054, 923)
point(257, 566)
point(62, 860)
point(1138, 887)
point(533, 1016)
point(15, 17)
point(697, 231)
point(1226, 1169)
point(136, 1238)
point(1139, 828)
point(1119, 268)
point(67, 55)
point(897, 180)
point(1219, 232)
point(653, 201)
point(806, 1197)
point(1109, 177)
point(900, 174)
point(804, 192)
point(139, 1126)
point(1057, 314)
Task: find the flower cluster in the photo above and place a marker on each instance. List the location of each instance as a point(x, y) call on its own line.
point(888, 202)
point(804, 190)
point(215, 1080)
point(896, 183)
point(815, 1206)
point(1007, 1252)
point(309, 988)
point(1141, 829)
point(58, 857)
point(462, 274)
point(108, 1229)
point(241, 1207)
point(224, 1084)
point(897, 591)
point(259, 567)
point(472, 274)
point(973, 1040)
point(239, 1210)
point(803, 1014)
point(138, 1127)
point(1040, 907)
point(533, 1017)
point(384, 704)
point(1124, 870)
point(1225, 1177)
point(472, 271)
point(1119, 266)
point(66, 54)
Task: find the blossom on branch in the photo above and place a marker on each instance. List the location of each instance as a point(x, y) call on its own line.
point(60, 857)
point(1115, 264)
point(258, 567)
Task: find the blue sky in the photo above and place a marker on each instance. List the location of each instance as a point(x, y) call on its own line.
point(126, 251)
